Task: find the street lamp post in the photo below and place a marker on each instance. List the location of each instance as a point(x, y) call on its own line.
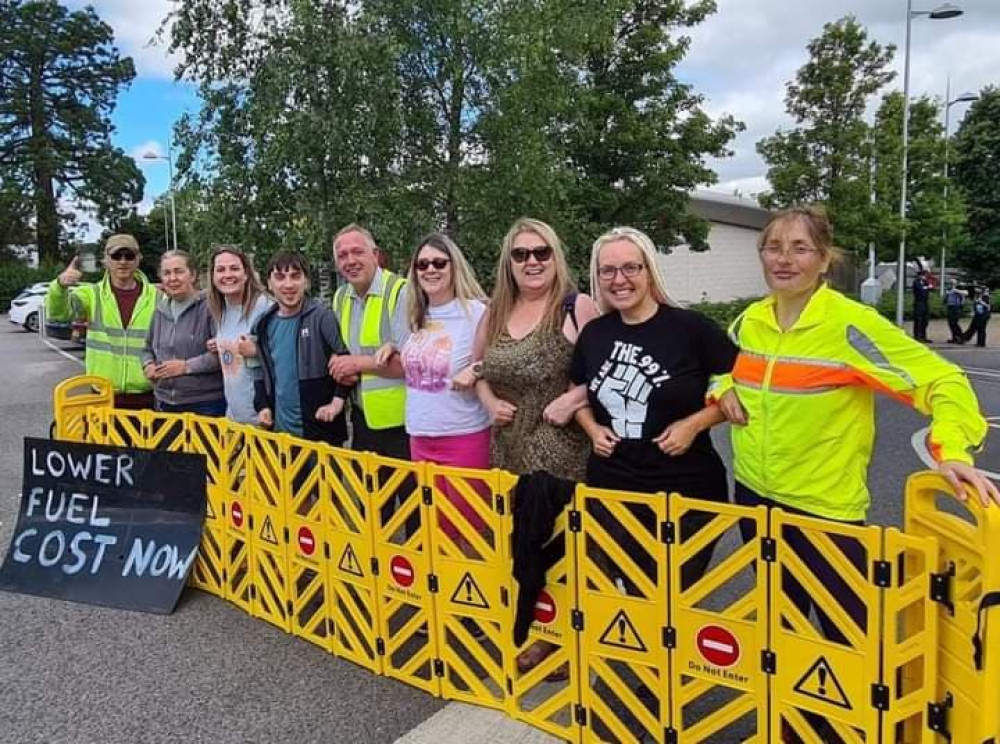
point(942, 12)
point(150, 155)
point(948, 103)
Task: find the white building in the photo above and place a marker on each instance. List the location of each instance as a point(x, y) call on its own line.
point(730, 269)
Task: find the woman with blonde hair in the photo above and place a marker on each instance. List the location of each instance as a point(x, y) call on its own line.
point(236, 300)
point(444, 419)
point(646, 364)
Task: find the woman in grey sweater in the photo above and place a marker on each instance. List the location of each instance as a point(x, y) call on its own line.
point(185, 374)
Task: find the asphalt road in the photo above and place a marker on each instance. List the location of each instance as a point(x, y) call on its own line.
point(209, 672)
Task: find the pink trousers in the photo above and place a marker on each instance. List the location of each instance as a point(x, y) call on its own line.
point(459, 451)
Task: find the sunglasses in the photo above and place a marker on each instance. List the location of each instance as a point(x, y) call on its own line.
point(541, 253)
point(123, 254)
point(438, 263)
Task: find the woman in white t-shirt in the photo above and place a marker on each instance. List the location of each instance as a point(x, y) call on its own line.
point(444, 418)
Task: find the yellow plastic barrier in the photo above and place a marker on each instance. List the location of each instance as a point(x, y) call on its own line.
point(966, 704)
point(405, 569)
point(72, 399)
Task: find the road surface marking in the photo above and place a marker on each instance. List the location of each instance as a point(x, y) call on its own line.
point(65, 353)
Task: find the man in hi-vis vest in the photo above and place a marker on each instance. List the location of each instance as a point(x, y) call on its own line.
point(371, 310)
point(119, 310)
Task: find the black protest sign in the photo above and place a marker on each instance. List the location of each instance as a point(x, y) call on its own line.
point(103, 525)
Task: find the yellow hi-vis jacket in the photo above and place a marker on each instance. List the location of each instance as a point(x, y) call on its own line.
point(383, 400)
point(809, 397)
point(113, 352)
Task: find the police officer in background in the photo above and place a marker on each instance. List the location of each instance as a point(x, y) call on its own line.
point(922, 286)
point(118, 310)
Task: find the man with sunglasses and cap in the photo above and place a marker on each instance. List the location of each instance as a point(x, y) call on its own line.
point(119, 310)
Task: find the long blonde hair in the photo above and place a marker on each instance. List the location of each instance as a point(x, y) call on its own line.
point(252, 290)
point(505, 293)
point(463, 279)
point(657, 287)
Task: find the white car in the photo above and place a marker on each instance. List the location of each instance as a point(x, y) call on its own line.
point(24, 309)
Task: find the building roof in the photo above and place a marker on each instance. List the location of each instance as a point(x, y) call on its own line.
point(729, 210)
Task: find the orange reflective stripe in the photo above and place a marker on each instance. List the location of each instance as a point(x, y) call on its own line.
point(801, 375)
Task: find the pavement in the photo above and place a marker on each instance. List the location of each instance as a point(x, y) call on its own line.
point(210, 673)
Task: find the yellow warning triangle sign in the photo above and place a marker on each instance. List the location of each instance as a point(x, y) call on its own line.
point(349, 562)
point(267, 533)
point(820, 683)
point(469, 594)
point(621, 633)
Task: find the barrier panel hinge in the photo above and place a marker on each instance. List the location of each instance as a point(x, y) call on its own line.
point(432, 583)
point(326, 550)
point(428, 494)
point(669, 637)
point(768, 549)
point(580, 715)
point(880, 696)
point(576, 619)
point(285, 534)
point(374, 566)
point(670, 736)
point(504, 597)
point(768, 662)
point(369, 483)
point(882, 573)
point(498, 504)
point(668, 533)
point(510, 686)
point(937, 717)
point(574, 520)
point(941, 587)
point(380, 647)
point(289, 609)
point(438, 668)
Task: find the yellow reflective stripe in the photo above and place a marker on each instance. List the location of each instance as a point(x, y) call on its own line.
point(371, 322)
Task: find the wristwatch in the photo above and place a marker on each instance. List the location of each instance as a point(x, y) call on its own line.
point(477, 370)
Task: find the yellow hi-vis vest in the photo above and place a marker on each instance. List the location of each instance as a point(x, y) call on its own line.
point(383, 400)
point(809, 397)
point(113, 352)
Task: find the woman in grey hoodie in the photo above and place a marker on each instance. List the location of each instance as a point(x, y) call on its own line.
point(236, 300)
point(185, 375)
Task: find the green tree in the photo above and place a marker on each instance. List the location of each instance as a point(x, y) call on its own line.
point(60, 75)
point(826, 157)
point(976, 167)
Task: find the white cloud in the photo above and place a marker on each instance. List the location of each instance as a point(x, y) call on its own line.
point(150, 147)
point(135, 23)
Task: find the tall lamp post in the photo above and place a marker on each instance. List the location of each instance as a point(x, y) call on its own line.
point(948, 103)
point(150, 155)
point(942, 12)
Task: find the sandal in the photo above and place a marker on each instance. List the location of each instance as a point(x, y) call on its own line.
point(534, 655)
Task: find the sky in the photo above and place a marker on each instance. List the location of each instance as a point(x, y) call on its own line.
point(740, 60)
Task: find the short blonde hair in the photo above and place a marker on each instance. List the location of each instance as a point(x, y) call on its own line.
point(354, 227)
point(640, 240)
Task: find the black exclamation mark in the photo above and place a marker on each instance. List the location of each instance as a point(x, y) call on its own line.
point(621, 630)
point(822, 681)
point(468, 589)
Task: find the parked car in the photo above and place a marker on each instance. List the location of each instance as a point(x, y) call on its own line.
point(24, 309)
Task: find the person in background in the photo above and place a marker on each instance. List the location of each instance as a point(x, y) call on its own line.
point(801, 400)
point(526, 344)
point(118, 310)
point(953, 302)
point(236, 300)
point(371, 310)
point(646, 364)
point(185, 375)
point(982, 308)
point(296, 338)
point(445, 420)
point(922, 286)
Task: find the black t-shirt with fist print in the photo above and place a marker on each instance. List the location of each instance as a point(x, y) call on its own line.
point(641, 378)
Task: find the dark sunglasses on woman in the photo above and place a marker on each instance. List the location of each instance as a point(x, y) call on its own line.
point(541, 253)
point(438, 263)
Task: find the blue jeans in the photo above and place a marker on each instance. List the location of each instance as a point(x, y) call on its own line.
point(203, 408)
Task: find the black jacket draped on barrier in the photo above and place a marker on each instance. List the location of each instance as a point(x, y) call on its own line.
point(538, 500)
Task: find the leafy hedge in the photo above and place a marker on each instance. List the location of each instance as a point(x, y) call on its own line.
point(723, 313)
point(16, 276)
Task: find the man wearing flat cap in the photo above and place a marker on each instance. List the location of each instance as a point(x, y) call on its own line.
point(119, 310)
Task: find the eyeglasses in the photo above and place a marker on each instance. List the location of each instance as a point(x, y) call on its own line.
point(796, 251)
point(438, 263)
point(628, 271)
point(541, 253)
point(123, 254)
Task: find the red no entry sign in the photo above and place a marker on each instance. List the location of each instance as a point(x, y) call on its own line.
point(718, 646)
point(307, 543)
point(545, 608)
point(237, 514)
point(401, 570)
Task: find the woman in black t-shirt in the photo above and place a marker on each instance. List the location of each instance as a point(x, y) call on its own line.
point(646, 363)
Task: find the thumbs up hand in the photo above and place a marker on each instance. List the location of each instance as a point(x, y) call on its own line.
point(72, 274)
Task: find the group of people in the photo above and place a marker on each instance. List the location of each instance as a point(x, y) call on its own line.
point(954, 302)
point(618, 388)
